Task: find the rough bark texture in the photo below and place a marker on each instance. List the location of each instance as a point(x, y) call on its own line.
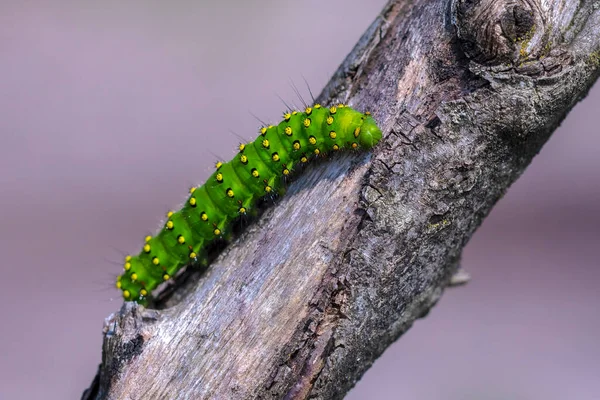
point(311, 294)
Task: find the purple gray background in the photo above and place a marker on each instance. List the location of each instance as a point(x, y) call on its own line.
point(111, 109)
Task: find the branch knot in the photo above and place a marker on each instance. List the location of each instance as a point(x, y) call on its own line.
point(494, 32)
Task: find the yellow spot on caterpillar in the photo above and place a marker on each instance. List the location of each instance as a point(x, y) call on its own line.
point(127, 266)
point(229, 192)
point(169, 214)
point(218, 165)
point(147, 239)
point(306, 122)
point(317, 106)
point(180, 239)
point(126, 294)
point(317, 151)
point(127, 258)
point(166, 277)
point(265, 144)
point(312, 140)
point(329, 120)
point(242, 210)
point(155, 261)
point(296, 145)
point(271, 127)
point(217, 231)
point(275, 157)
point(203, 216)
point(170, 225)
point(304, 159)
point(134, 277)
point(288, 130)
point(193, 201)
point(367, 113)
point(332, 110)
point(243, 159)
point(118, 285)
point(147, 248)
point(255, 173)
point(287, 116)
point(268, 189)
point(308, 110)
point(263, 130)
point(143, 292)
point(219, 177)
point(341, 105)
point(357, 131)
point(192, 190)
point(355, 145)
point(335, 147)
point(286, 171)
point(294, 112)
point(242, 146)
point(193, 255)
point(332, 134)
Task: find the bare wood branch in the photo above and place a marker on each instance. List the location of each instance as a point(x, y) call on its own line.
point(311, 294)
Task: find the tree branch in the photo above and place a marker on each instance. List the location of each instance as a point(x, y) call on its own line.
point(304, 301)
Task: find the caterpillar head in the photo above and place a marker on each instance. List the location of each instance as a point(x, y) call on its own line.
point(370, 133)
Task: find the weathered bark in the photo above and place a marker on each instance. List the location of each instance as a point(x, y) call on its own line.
point(304, 301)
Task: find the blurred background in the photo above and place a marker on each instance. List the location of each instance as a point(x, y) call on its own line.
point(110, 110)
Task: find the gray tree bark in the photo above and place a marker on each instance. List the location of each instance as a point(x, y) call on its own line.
point(302, 303)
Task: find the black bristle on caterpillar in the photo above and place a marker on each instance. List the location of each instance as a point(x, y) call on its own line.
point(237, 189)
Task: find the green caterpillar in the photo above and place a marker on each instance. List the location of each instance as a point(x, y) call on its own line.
point(236, 187)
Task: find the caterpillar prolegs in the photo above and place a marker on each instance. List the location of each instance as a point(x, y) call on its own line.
point(236, 187)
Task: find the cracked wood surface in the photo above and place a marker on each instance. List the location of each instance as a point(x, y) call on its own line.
point(304, 301)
